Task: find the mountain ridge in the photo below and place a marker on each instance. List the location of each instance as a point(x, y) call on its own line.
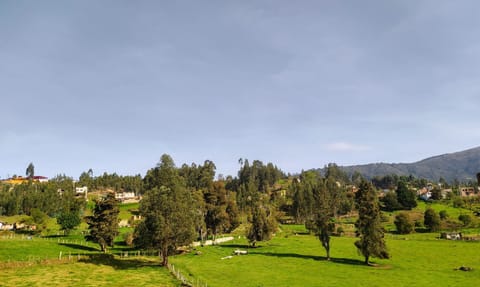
point(461, 166)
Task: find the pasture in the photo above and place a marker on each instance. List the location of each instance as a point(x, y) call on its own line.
point(297, 260)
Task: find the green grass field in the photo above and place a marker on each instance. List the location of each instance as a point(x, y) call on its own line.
point(298, 260)
point(291, 258)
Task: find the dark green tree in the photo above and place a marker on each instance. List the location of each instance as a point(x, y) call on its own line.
point(68, 221)
point(436, 193)
point(406, 197)
point(262, 224)
point(103, 224)
point(390, 201)
point(466, 219)
point(30, 171)
point(431, 220)
point(169, 219)
point(403, 223)
point(368, 225)
point(324, 214)
point(443, 214)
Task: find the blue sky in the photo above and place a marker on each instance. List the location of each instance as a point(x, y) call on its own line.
point(112, 85)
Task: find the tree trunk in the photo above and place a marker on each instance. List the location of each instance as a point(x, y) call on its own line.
point(366, 260)
point(164, 255)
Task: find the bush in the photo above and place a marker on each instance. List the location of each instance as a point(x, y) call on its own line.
point(458, 202)
point(431, 220)
point(128, 238)
point(443, 214)
point(465, 219)
point(403, 223)
point(340, 231)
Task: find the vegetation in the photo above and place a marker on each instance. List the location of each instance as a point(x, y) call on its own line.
point(403, 223)
point(431, 220)
point(166, 207)
point(103, 224)
point(180, 205)
point(368, 225)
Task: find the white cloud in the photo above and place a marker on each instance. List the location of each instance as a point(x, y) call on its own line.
point(345, 146)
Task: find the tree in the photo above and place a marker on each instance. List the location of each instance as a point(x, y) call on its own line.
point(436, 193)
point(431, 220)
point(68, 221)
point(390, 201)
point(324, 214)
point(406, 198)
point(169, 219)
point(30, 172)
point(368, 225)
point(263, 224)
point(403, 223)
point(103, 224)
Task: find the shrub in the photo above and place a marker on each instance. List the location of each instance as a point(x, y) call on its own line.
point(431, 220)
point(128, 238)
point(403, 223)
point(465, 219)
point(443, 214)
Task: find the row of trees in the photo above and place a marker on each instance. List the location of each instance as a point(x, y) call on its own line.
point(318, 201)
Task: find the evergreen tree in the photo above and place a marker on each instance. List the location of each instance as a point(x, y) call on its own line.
point(30, 171)
point(263, 224)
point(169, 219)
point(368, 225)
point(103, 224)
point(405, 197)
point(324, 215)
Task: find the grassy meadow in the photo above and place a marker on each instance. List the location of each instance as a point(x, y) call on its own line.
point(292, 258)
point(298, 260)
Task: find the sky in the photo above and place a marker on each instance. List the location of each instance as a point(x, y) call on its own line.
point(112, 85)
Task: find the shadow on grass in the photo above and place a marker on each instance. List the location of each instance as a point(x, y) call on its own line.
point(78, 247)
point(346, 261)
point(246, 246)
point(119, 264)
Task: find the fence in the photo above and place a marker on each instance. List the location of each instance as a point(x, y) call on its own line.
point(185, 280)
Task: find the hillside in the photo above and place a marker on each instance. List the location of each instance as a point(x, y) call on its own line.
point(462, 165)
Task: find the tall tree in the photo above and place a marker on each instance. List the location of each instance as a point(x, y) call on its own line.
point(30, 171)
point(368, 225)
point(103, 224)
point(169, 220)
point(263, 224)
point(324, 214)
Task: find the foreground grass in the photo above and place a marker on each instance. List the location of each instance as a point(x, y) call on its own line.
point(119, 272)
point(297, 260)
point(35, 262)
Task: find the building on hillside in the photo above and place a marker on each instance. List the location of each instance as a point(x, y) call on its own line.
point(21, 179)
point(466, 191)
point(81, 191)
point(125, 195)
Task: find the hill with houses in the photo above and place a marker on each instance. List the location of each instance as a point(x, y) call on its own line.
point(462, 166)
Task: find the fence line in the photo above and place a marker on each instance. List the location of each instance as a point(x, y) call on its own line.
point(178, 274)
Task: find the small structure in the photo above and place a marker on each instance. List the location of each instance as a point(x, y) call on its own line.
point(126, 195)
point(451, 235)
point(81, 191)
point(467, 191)
point(240, 252)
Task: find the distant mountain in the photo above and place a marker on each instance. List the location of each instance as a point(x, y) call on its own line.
point(462, 165)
